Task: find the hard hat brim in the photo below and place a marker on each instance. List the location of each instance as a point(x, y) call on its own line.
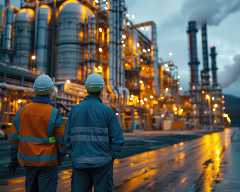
point(94, 89)
point(43, 92)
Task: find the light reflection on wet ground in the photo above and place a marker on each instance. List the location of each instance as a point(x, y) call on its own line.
point(188, 166)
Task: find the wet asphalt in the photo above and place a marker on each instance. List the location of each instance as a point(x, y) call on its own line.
point(150, 162)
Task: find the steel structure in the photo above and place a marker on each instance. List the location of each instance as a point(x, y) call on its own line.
point(205, 109)
point(70, 39)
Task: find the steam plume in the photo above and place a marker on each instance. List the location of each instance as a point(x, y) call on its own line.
point(231, 73)
point(211, 12)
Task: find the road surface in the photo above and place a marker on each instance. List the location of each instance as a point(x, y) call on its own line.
point(190, 166)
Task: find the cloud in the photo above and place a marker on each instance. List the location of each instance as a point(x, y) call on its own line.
point(211, 12)
point(231, 73)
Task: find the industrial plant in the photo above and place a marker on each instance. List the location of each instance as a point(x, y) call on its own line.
point(70, 39)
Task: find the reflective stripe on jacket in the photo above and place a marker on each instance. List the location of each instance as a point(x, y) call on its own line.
point(37, 131)
point(93, 135)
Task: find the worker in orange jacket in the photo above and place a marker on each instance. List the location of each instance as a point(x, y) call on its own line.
point(37, 139)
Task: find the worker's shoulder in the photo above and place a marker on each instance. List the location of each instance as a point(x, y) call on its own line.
point(107, 108)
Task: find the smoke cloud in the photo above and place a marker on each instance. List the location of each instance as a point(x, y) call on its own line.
point(211, 12)
point(231, 73)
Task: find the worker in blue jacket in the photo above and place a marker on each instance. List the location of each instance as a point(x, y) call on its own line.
point(93, 139)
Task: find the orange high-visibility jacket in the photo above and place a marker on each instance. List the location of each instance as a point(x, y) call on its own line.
point(38, 133)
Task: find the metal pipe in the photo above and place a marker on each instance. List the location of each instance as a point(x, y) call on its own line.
point(121, 67)
point(154, 52)
point(110, 85)
point(127, 94)
point(15, 87)
point(43, 46)
point(15, 9)
point(5, 21)
point(89, 46)
point(36, 32)
point(84, 49)
point(118, 43)
point(8, 35)
point(53, 39)
point(93, 43)
point(114, 44)
point(1, 23)
point(120, 94)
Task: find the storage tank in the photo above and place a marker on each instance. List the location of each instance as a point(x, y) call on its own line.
point(71, 14)
point(23, 37)
point(44, 29)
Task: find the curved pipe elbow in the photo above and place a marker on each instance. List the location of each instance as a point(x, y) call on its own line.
point(15, 9)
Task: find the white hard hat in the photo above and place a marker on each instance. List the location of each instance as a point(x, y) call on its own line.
point(94, 83)
point(43, 85)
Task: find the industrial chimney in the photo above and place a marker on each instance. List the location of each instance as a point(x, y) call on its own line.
point(214, 66)
point(205, 80)
point(192, 30)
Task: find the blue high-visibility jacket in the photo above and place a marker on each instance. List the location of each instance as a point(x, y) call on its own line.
point(93, 135)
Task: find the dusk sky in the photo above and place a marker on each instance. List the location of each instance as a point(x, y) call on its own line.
point(172, 18)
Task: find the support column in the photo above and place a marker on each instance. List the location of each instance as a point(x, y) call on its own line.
point(140, 117)
point(145, 121)
point(22, 81)
point(132, 117)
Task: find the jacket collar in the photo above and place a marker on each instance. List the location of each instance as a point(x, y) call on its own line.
point(92, 97)
point(42, 99)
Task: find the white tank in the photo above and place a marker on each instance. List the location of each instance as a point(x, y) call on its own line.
point(71, 14)
point(24, 37)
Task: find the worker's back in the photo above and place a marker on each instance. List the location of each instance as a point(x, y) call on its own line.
point(93, 138)
point(37, 121)
point(37, 139)
point(90, 132)
point(91, 113)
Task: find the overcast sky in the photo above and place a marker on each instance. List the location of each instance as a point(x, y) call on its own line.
point(172, 16)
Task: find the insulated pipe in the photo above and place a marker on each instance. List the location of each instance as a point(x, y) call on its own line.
point(214, 66)
point(154, 52)
point(205, 55)
point(110, 85)
point(89, 46)
point(120, 94)
point(117, 46)
point(5, 21)
point(118, 43)
point(93, 43)
point(121, 71)
point(53, 41)
point(15, 87)
point(35, 33)
point(114, 43)
point(127, 95)
point(43, 44)
point(15, 9)
point(8, 35)
point(84, 50)
point(1, 22)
